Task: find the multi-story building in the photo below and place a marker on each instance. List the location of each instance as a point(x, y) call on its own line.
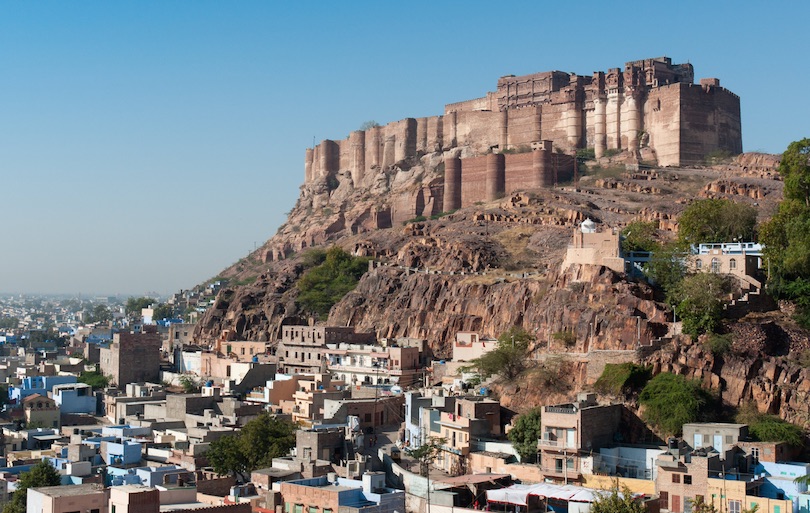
point(372, 364)
point(720, 436)
point(132, 357)
point(471, 419)
point(571, 430)
point(308, 399)
point(75, 398)
point(299, 350)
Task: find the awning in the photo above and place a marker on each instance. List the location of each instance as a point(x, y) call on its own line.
point(519, 494)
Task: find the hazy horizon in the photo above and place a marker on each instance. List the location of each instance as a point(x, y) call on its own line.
point(147, 146)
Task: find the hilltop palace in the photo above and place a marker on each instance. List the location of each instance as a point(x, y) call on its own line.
point(524, 134)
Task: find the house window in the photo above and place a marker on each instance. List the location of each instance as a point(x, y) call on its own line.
point(687, 480)
point(676, 478)
point(94, 511)
point(732, 264)
point(734, 506)
point(755, 453)
point(558, 464)
point(313, 509)
point(698, 264)
point(715, 265)
point(664, 500)
point(299, 508)
point(242, 351)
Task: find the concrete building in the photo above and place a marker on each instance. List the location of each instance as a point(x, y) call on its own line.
point(469, 346)
point(322, 495)
point(471, 419)
point(569, 431)
point(298, 352)
point(372, 364)
point(718, 435)
point(75, 398)
point(84, 498)
point(41, 411)
point(132, 357)
point(594, 248)
point(134, 499)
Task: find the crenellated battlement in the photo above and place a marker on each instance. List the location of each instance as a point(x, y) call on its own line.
point(651, 108)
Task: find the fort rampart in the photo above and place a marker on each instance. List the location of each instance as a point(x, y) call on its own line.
point(524, 134)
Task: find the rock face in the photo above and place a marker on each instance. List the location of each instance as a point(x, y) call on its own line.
point(763, 366)
point(494, 265)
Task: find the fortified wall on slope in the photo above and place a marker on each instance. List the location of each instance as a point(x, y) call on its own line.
point(523, 135)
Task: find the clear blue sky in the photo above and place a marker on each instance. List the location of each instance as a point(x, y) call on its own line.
point(145, 146)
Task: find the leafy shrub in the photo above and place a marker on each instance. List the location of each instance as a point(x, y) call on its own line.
point(640, 236)
point(586, 153)
point(569, 338)
point(718, 345)
point(670, 401)
point(621, 378)
point(524, 435)
point(417, 219)
point(325, 284)
point(769, 428)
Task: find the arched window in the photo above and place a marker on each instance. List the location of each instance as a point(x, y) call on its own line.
point(732, 264)
point(698, 264)
point(715, 265)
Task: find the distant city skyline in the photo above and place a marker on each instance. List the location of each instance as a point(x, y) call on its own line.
point(147, 146)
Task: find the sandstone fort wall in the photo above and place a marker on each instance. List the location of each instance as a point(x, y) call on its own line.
point(650, 107)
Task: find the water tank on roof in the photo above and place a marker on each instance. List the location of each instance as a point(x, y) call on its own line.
point(255, 359)
point(209, 383)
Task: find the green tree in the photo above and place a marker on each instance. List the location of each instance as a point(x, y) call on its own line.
point(622, 378)
point(427, 453)
point(615, 502)
point(189, 384)
point(670, 401)
point(95, 379)
point(325, 284)
point(163, 311)
point(134, 305)
point(640, 236)
point(699, 505)
point(795, 170)
point(9, 323)
point(699, 300)
point(255, 446)
point(769, 428)
point(717, 220)
point(666, 267)
point(368, 125)
point(525, 434)
point(41, 474)
point(509, 359)
point(786, 237)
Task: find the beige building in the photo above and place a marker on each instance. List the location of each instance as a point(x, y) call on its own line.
point(299, 351)
point(370, 364)
point(83, 498)
point(469, 346)
point(571, 431)
point(41, 411)
point(742, 260)
point(594, 248)
point(134, 499)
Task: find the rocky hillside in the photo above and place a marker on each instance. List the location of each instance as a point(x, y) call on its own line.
point(495, 265)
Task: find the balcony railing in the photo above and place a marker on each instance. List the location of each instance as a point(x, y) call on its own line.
point(555, 444)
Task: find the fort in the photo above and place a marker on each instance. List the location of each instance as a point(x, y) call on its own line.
point(525, 135)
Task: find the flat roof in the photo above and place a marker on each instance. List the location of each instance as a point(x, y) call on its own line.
point(68, 490)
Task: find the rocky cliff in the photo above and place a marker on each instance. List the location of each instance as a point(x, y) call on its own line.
point(495, 265)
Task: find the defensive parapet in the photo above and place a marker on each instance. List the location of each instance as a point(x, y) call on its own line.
point(651, 108)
